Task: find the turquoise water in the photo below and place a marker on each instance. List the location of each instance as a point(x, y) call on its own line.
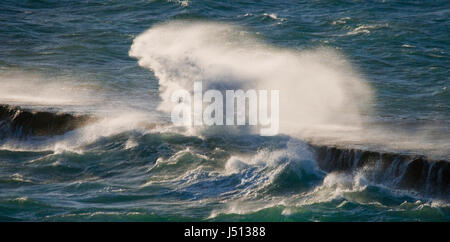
point(78, 57)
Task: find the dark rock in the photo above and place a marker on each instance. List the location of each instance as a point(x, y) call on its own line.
point(18, 122)
point(404, 171)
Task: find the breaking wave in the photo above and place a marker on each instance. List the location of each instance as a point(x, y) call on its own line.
point(331, 161)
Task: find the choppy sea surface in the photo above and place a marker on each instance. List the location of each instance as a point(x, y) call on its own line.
point(369, 75)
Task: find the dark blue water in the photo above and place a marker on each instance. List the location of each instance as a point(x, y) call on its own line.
point(74, 56)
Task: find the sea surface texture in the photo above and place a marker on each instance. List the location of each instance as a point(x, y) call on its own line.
point(86, 135)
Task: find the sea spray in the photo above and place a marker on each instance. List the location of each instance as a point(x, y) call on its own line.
point(323, 98)
point(317, 87)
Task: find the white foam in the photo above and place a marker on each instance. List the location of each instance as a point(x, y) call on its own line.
point(366, 28)
point(323, 99)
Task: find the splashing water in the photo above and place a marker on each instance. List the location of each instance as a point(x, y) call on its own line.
point(362, 98)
